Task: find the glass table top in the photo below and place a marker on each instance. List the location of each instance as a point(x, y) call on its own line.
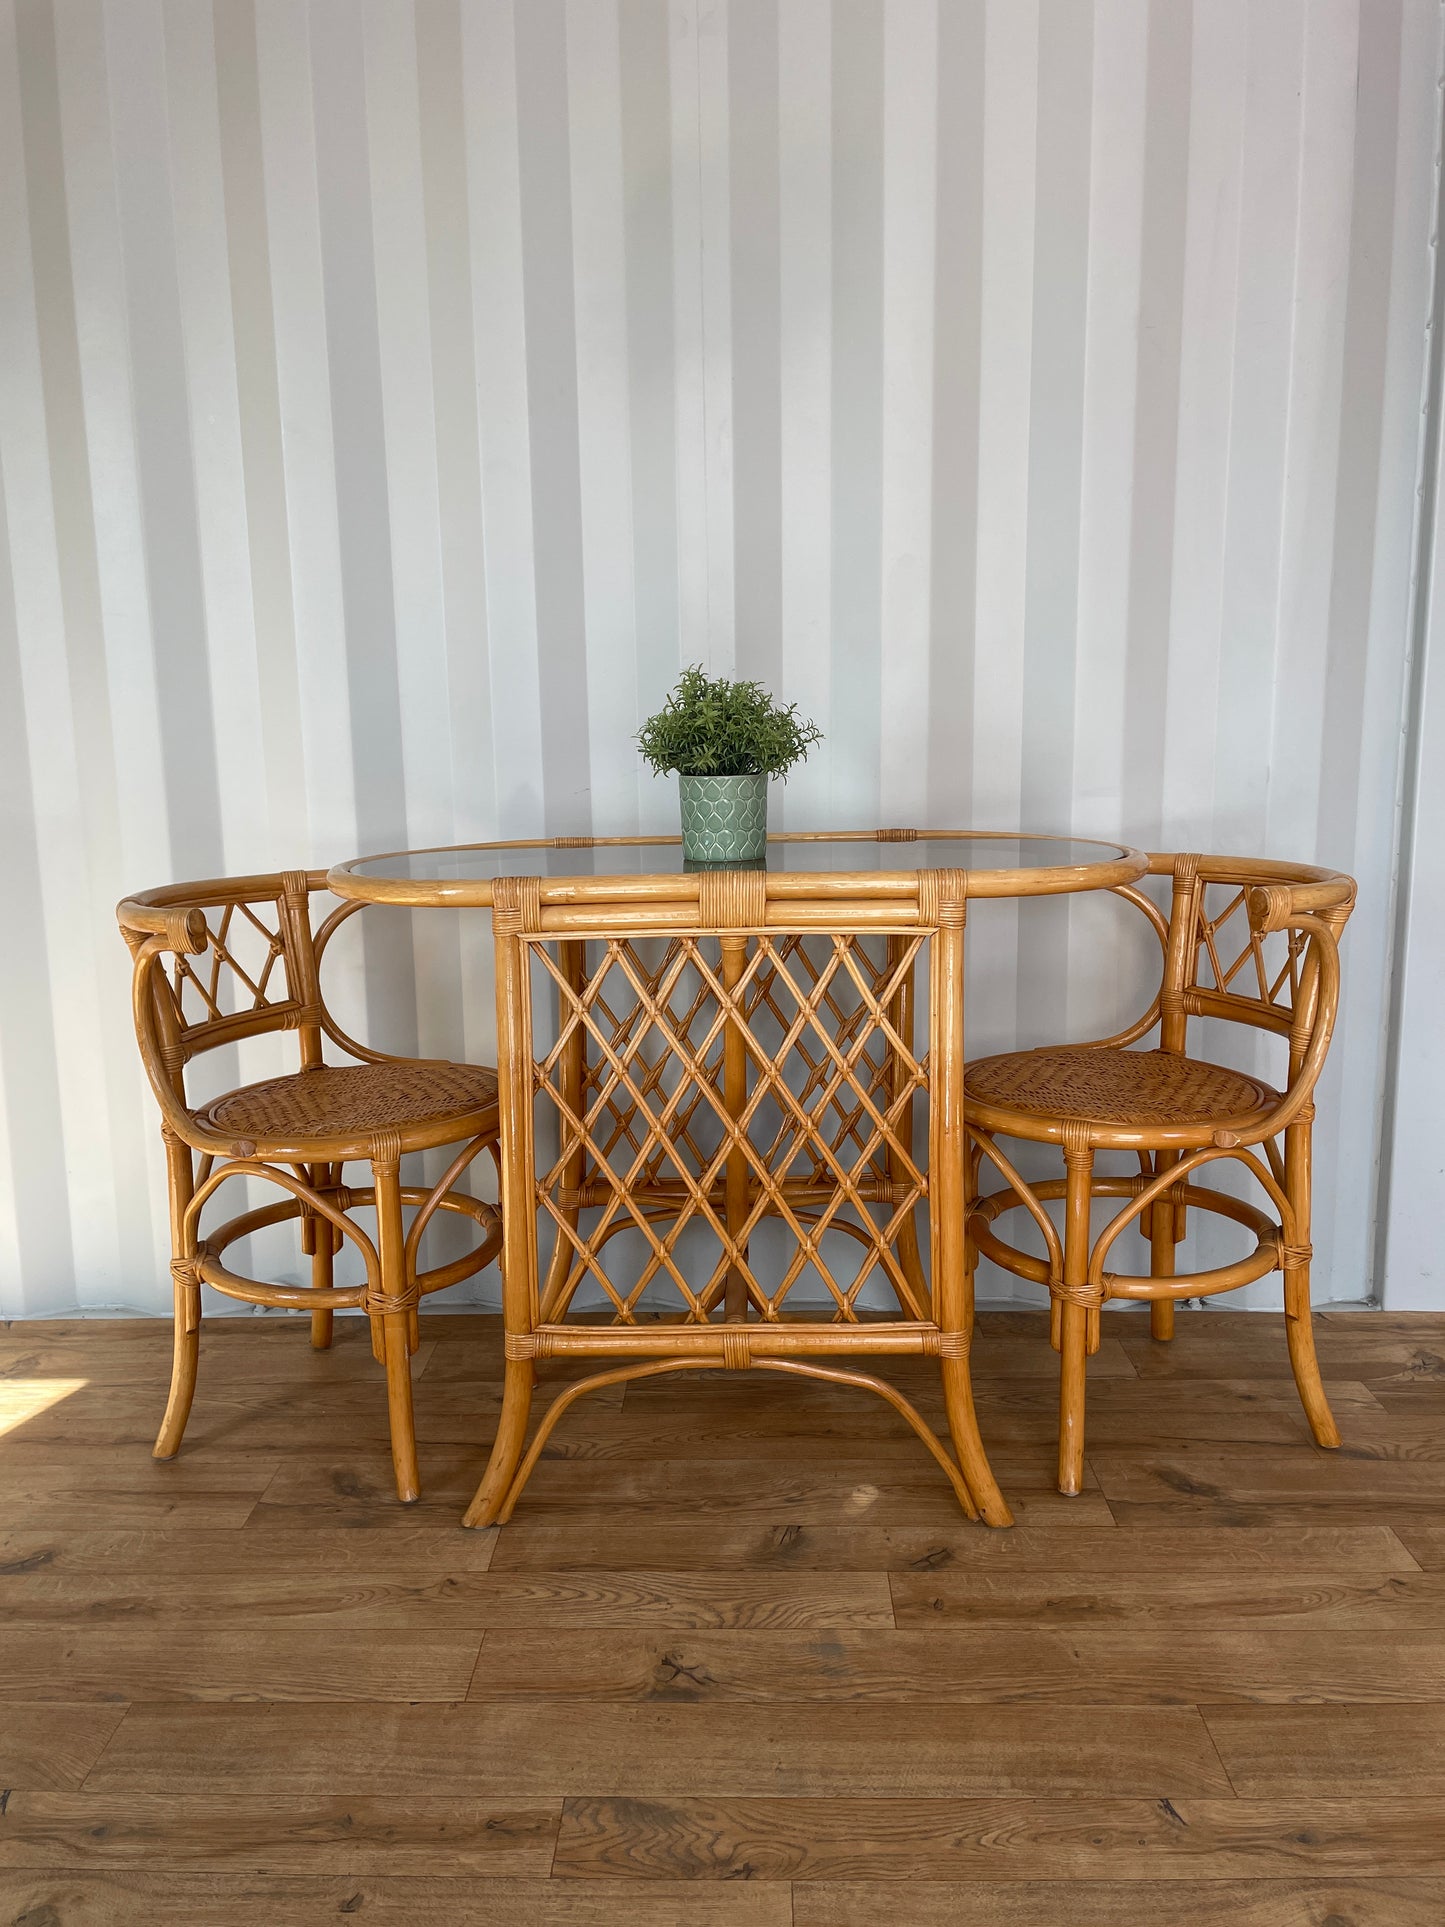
point(482, 863)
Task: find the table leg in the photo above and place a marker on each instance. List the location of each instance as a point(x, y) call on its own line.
point(948, 1157)
point(735, 1097)
point(519, 1205)
point(901, 1014)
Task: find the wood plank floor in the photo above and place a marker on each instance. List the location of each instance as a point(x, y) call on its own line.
point(738, 1662)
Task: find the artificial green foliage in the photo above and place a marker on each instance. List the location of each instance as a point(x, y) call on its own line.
point(712, 727)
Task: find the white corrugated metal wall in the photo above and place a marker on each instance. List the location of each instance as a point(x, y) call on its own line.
point(393, 396)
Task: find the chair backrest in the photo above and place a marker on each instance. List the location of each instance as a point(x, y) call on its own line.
point(1250, 941)
point(1254, 942)
point(222, 960)
point(226, 959)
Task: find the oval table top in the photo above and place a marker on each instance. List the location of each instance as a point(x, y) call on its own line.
point(866, 864)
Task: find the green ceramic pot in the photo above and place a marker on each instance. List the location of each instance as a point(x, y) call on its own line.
point(724, 818)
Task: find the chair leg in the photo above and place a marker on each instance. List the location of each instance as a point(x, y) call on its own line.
point(185, 1358)
point(970, 1252)
point(1298, 1312)
point(1299, 1329)
point(395, 1321)
point(1161, 1259)
point(1073, 1368)
point(186, 1349)
point(322, 1279)
point(507, 1446)
point(322, 1240)
point(1074, 1318)
point(399, 1409)
point(970, 1297)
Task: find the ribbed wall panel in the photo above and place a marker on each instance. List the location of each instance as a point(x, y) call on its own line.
point(392, 398)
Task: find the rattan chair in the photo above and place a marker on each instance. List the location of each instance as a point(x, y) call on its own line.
point(1247, 941)
point(261, 972)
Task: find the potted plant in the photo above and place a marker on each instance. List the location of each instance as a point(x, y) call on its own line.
point(724, 739)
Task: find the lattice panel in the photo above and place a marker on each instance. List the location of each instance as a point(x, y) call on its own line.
point(691, 1010)
point(1232, 957)
point(847, 1009)
point(821, 1140)
point(676, 980)
point(243, 969)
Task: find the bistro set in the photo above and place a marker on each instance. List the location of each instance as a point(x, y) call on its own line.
point(732, 1119)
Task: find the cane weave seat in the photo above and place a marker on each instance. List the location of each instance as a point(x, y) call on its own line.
point(339, 1100)
point(1123, 1087)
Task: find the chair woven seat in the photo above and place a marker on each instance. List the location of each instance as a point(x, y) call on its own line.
point(340, 1100)
point(1124, 1087)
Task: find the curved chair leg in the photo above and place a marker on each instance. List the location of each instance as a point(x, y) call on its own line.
point(1298, 1313)
point(186, 1350)
point(396, 1328)
point(185, 1358)
point(1074, 1319)
point(507, 1446)
point(1299, 1329)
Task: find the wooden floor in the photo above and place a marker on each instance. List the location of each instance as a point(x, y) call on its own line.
point(737, 1662)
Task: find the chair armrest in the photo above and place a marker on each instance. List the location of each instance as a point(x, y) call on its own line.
point(1283, 906)
point(1318, 1000)
point(324, 932)
point(183, 931)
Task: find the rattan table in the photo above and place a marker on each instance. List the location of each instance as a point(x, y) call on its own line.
point(687, 1056)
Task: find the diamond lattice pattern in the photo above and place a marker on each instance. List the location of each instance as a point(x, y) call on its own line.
point(823, 1138)
point(1232, 957)
point(243, 969)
